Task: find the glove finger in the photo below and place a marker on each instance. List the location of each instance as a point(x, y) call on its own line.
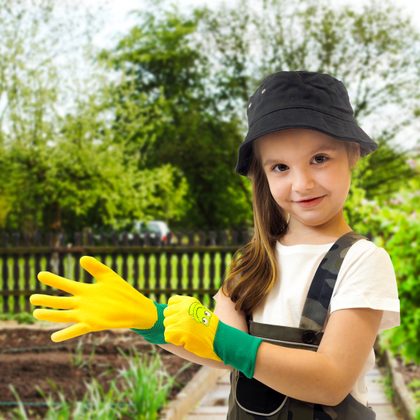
point(95, 268)
point(74, 330)
point(55, 316)
point(50, 279)
point(56, 302)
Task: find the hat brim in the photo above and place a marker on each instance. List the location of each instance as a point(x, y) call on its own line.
point(302, 118)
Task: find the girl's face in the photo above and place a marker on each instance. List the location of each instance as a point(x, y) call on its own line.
point(302, 164)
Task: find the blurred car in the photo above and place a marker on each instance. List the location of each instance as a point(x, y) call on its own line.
point(156, 232)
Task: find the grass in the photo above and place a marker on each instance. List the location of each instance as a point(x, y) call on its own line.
point(78, 359)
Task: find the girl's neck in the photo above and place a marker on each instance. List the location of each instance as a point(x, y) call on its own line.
point(300, 234)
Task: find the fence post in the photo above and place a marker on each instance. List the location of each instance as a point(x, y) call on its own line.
point(16, 289)
point(5, 276)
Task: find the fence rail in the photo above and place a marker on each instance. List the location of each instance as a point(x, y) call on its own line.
point(156, 271)
point(89, 237)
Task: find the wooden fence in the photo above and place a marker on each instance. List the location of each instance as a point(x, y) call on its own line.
point(90, 237)
point(156, 271)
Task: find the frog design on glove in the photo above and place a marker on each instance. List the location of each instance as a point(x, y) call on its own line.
point(200, 313)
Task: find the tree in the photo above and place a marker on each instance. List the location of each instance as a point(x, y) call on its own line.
point(66, 165)
point(28, 92)
point(200, 64)
point(159, 58)
point(374, 52)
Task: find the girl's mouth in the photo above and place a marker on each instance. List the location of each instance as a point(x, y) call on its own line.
point(310, 203)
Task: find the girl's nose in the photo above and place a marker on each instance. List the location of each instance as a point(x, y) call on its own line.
point(303, 182)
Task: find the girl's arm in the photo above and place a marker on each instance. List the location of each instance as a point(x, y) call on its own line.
point(111, 302)
point(328, 375)
point(225, 310)
point(322, 377)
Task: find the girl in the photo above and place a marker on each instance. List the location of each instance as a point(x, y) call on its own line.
point(299, 311)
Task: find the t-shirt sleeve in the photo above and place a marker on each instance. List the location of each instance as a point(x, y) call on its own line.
point(368, 281)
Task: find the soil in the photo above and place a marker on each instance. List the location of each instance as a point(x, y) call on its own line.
point(31, 362)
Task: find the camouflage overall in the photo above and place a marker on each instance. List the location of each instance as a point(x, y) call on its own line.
point(250, 399)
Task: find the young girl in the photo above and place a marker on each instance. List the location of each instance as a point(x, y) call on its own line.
point(298, 313)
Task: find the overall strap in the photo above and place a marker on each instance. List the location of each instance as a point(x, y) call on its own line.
point(318, 299)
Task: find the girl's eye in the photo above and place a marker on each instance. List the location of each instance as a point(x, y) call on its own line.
point(280, 166)
point(322, 158)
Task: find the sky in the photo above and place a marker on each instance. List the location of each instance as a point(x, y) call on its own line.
point(118, 20)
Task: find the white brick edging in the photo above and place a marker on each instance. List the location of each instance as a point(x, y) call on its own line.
point(192, 393)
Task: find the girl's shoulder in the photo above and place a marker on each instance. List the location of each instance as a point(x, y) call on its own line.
point(367, 247)
point(365, 254)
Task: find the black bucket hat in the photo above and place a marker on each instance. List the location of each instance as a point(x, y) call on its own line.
point(292, 99)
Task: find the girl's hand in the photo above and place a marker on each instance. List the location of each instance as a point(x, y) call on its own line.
point(109, 303)
point(193, 326)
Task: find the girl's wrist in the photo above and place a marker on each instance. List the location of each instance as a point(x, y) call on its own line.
point(236, 348)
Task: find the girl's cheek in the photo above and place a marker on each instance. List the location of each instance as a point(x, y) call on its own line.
point(277, 193)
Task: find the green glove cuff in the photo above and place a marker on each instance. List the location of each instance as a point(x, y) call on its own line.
point(236, 348)
point(156, 334)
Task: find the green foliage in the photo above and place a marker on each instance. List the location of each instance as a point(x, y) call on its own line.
point(414, 386)
point(153, 131)
point(161, 58)
point(404, 250)
point(83, 167)
point(164, 192)
point(78, 359)
point(20, 412)
point(148, 383)
point(20, 318)
point(384, 172)
point(394, 226)
point(35, 36)
point(388, 387)
point(138, 391)
point(312, 35)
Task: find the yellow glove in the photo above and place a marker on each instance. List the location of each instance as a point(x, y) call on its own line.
point(109, 303)
point(191, 325)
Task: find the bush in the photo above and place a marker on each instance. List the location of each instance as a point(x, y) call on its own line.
point(394, 226)
point(403, 249)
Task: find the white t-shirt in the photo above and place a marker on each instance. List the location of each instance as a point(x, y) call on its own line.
point(366, 280)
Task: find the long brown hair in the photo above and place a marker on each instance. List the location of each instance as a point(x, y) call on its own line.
point(254, 267)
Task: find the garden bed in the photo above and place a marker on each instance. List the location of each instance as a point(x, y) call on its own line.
point(36, 366)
